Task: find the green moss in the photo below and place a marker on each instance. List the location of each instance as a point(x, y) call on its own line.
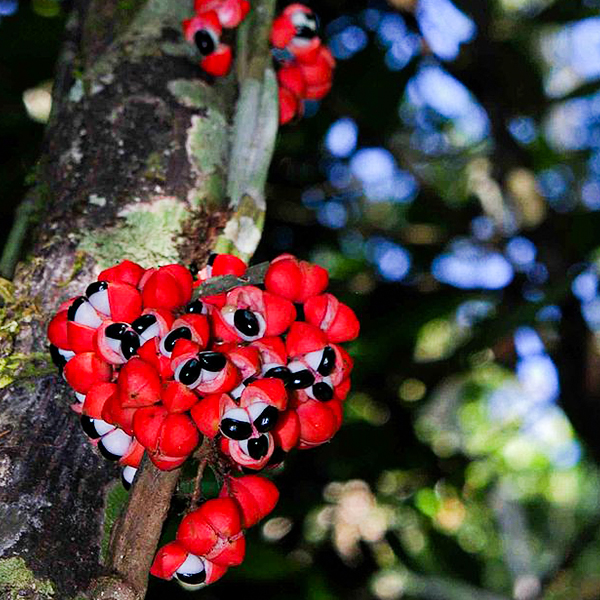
point(24, 367)
point(147, 235)
point(7, 291)
point(13, 315)
point(155, 167)
point(115, 501)
point(16, 580)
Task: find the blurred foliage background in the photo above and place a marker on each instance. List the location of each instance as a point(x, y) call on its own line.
point(451, 184)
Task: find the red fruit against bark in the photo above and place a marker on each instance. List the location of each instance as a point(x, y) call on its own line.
point(318, 74)
point(116, 301)
point(85, 370)
point(287, 431)
point(337, 320)
point(206, 372)
point(230, 12)
point(272, 352)
point(239, 451)
point(268, 391)
point(290, 105)
point(256, 497)
point(133, 456)
point(57, 330)
point(319, 422)
point(151, 354)
point(296, 30)
point(167, 287)
point(191, 327)
point(153, 323)
point(171, 560)
point(245, 358)
point(303, 338)
point(168, 559)
point(113, 412)
point(177, 398)
point(207, 414)
point(147, 425)
point(166, 463)
point(250, 314)
point(228, 264)
point(202, 530)
point(296, 280)
point(116, 343)
point(218, 62)
point(178, 437)
point(291, 79)
point(139, 384)
point(125, 272)
point(96, 399)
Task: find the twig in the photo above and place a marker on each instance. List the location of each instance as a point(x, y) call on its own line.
point(197, 493)
point(24, 215)
point(255, 275)
point(136, 533)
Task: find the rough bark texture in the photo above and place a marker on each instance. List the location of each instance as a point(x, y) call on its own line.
point(136, 165)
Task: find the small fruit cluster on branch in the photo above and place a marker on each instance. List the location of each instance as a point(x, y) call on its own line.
point(252, 371)
point(204, 30)
point(305, 65)
point(210, 539)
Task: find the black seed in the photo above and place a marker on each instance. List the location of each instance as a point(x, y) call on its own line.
point(235, 430)
point(306, 32)
point(196, 307)
point(204, 42)
point(57, 358)
point(130, 343)
point(181, 333)
point(97, 286)
point(258, 447)
point(212, 361)
point(245, 321)
point(190, 372)
point(300, 380)
point(142, 323)
point(125, 483)
point(299, 312)
point(282, 373)
point(72, 312)
point(267, 419)
point(249, 380)
point(322, 391)
point(327, 362)
point(87, 425)
point(107, 455)
point(192, 578)
point(116, 331)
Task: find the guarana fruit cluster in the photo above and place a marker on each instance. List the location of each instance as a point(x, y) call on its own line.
point(253, 371)
point(304, 64)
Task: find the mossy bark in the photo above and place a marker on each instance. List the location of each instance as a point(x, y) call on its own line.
point(136, 165)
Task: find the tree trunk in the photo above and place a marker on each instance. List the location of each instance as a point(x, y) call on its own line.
point(145, 158)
